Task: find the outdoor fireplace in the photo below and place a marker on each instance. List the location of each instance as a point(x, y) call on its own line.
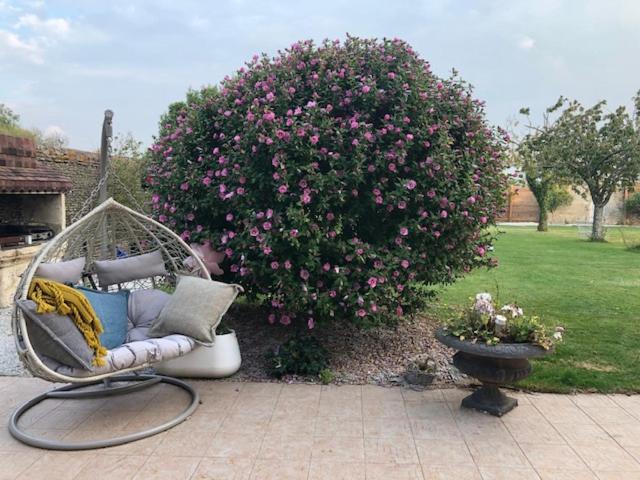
point(32, 209)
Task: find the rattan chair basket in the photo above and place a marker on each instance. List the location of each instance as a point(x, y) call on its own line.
point(108, 232)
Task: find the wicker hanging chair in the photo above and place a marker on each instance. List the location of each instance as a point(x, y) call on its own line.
point(108, 232)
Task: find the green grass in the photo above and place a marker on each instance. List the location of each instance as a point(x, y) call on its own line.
point(592, 289)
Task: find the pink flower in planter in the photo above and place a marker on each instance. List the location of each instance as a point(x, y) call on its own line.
point(314, 139)
point(404, 231)
point(275, 265)
point(267, 226)
point(411, 184)
point(254, 232)
point(373, 281)
point(287, 264)
point(283, 189)
point(404, 263)
point(267, 250)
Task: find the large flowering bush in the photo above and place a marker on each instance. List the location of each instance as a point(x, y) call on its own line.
point(336, 179)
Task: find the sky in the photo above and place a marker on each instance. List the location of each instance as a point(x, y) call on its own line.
point(62, 63)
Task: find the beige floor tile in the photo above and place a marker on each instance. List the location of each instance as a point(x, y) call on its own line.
point(202, 421)
point(390, 450)
point(13, 464)
point(109, 467)
point(581, 434)
point(223, 469)
point(254, 405)
point(607, 457)
point(488, 452)
point(286, 447)
point(380, 471)
point(10, 444)
point(299, 426)
point(338, 427)
point(247, 425)
point(337, 471)
point(524, 414)
point(553, 474)
point(214, 402)
point(564, 414)
point(545, 456)
point(35, 413)
point(626, 434)
point(264, 389)
point(443, 452)
point(101, 420)
point(455, 395)
point(213, 387)
point(183, 443)
point(384, 408)
point(507, 473)
point(609, 415)
point(62, 419)
point(343, 449)
point(543, 432)
point(387, 394)
point(300, 392)
point(387, 427)
point(592, 400)
point(293, 408)
point(168, 468)
point(280, 470)
point(428, 410)
point(341, 393)
point(477, 425)
point(634, 451)
point(451, 472)
point(446, 429)
point(144, 447)
point(230, 445)
point(628, 402)
point(618, 475)
point(411, 395)
point(351, 408)
point(58, 465)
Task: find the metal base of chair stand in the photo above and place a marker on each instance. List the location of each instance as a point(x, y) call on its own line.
point(134, 383)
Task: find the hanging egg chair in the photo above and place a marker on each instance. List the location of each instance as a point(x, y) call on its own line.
point(110, 232)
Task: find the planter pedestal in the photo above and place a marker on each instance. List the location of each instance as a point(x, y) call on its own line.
point(493, 365)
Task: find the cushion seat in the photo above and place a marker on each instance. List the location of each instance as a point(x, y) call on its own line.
point(130, 355)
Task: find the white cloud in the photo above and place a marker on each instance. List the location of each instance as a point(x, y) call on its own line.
point(49, 26)
point(526, 43)
point(11, 46)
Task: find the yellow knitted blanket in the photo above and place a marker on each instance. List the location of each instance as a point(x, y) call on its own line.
point(51, 296)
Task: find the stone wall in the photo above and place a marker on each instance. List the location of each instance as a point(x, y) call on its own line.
point(82, 167)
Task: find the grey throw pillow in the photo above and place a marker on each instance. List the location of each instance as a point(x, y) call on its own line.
point(57, 337)
point(63, 272)
point(145, 306)
point(195, 309)
point(111, 272)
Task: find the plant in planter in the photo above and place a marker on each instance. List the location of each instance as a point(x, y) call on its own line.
point(494, 345)
point(220, 360)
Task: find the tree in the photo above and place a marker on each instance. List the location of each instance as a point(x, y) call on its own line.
point(128, 167)
point(338, 179)
point(537, 153)
point(8, 118)
point(600, 150)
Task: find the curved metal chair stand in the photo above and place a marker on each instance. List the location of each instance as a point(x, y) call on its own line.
point(140, 382)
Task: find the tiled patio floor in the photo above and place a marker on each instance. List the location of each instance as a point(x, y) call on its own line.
point(275, 431)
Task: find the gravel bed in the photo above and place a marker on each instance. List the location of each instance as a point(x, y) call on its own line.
point(379, 356)
point(9, 362)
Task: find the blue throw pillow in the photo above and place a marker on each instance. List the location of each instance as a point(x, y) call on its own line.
point(111, 308)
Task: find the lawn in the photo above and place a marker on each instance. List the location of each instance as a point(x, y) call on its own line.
point(592, 289)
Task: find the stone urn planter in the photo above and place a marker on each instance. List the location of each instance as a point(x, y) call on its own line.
point(493, 365)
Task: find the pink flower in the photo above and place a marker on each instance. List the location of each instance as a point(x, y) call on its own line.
point(294, 232)
point(483, 219)
point(404, 231)
point(391, 75)
point(471, 200)
point(267, 250)
point(402, 204)
point(399, 311)
point(314, 139)
point(361, 313)
point(190, 217)
point(431, 193)
point(333, 293)
point(269, 116)
point(275, 265)
point(283, 189)
point(287, 264)
point(184, 186)
point(271, 318)
point(409, 136)
point(404, 263)
point(311, 323)
point(229, 217)
point(162, 218)
point(267, 226)
point(326, 267)
point(330, 216)
point(155, 198)
point(285, 320)
point(443, 214)
point(254, 232)
point(480, 250)
point(366, 89)
point(304, 274)
point(373, 281)
point(411, 184)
